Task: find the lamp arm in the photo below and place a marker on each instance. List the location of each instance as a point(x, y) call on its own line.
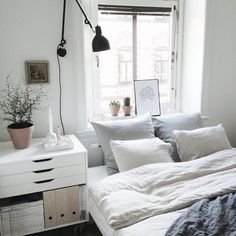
point(61, 51)
point(63, 41)
point(86, 21)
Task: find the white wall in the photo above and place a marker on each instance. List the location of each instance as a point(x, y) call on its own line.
point(31, 30)
point(219, 80)
point(209, 62)
point(193, 55)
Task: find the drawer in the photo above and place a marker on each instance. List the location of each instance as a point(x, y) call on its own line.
point(42, 164)
point(48, 184)
point(41, 175)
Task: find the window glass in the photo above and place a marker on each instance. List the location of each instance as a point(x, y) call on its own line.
point(116, 66)
point(141, 47)
point(153, 51)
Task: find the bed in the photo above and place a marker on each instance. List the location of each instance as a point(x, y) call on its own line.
point(111, 198)
point(149, 198)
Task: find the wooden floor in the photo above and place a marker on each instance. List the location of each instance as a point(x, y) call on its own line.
point(87, 230)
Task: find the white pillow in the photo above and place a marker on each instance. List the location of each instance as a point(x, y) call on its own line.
point(139, 127)
point(201, 142)
point(130, 154)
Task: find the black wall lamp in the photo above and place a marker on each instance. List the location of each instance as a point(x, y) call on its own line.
point(99, 43)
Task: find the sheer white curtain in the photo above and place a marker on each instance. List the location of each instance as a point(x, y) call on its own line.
point(90, 58)
point(86, 61)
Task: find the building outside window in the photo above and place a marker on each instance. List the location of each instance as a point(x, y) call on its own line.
point(124, 62)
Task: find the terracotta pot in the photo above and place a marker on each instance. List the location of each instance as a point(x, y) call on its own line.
point(20, 136)
point(127, 110)
point(114, 110)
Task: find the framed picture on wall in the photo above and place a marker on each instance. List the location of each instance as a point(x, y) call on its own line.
point(37, 72)
point(147, 97)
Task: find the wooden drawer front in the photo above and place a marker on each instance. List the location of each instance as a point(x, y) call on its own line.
point(16, 190)
point(61, 206)
point(42, 164)
point(41, 175)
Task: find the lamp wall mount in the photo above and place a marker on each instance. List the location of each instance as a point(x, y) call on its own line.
point(61, 51)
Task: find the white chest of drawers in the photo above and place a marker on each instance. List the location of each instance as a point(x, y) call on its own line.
point(33, 170)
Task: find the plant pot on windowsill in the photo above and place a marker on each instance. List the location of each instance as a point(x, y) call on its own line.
point(127, 110)
point(126, 107)
point(20, 134)
point(114, 109)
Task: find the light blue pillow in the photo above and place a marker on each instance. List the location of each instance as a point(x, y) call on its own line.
point(127, 129)
point(165, 125)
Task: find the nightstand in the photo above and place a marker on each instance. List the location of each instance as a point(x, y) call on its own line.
point(42, 190)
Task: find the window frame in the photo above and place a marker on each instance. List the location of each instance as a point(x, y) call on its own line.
point(176, 6)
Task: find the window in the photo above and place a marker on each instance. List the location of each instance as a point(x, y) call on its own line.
point(142, 47)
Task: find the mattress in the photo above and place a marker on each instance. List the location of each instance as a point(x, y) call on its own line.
point(96, 174)
point(100, 221)
point(156, 225)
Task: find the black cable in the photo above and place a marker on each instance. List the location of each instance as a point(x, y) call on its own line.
point(60, 92)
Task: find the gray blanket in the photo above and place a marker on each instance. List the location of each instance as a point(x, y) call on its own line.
point(207, 217)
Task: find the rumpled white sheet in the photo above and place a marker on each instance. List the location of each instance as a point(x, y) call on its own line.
point(150, 190)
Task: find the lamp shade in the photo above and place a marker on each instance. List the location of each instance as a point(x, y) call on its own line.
point(100, 43)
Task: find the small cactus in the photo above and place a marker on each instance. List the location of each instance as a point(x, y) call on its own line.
point(127, 101)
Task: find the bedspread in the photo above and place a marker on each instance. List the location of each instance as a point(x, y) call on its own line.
point(135, 195)
point(207, 217)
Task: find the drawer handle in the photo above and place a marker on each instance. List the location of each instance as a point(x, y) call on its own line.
point(42, 160)
point(41, 171)
point(43, 181)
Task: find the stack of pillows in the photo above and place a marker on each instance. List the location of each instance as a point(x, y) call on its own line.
point(131, 143)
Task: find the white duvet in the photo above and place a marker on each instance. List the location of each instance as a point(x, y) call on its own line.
point(150, 190)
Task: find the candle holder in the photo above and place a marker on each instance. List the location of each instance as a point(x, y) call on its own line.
point(51, 138)
point(55, 142)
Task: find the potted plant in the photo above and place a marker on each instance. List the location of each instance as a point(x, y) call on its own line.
point(126, 107)
point(114, 107)
point(18, 102)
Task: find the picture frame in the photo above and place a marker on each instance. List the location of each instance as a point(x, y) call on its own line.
point(37, 72)
point(147, 97)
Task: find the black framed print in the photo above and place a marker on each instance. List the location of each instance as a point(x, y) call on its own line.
point(147, 97)
point(37, 72)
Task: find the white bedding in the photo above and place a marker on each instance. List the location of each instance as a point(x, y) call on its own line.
point(151, 190)
point(156, 225)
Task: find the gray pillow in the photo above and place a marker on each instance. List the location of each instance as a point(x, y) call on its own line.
point(137, 128)
point(164, 127)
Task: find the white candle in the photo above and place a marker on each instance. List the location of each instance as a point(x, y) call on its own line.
point(50, 120)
